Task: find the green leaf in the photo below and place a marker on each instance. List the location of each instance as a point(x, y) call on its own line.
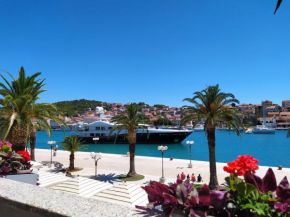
point(245, 189)
point(255, 194)
point(233, 181)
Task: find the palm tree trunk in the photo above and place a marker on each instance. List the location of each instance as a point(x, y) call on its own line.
point(18, 137)
point(72, 161)
point(213, 183)
point(32, 143)
point(132, 147)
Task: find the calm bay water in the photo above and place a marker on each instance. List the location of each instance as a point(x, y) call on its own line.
point(270, 150)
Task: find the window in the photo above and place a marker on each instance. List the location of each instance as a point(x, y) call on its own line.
point(103, 134)
point(91, 134)
point(98, 128)
point(103, 128)
point(109, 128)
point(97, 134)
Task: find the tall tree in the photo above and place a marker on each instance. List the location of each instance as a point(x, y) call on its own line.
point(72, 144)
point(210, 104)
point(42, 112)
point(19, 107)
point(129, 122)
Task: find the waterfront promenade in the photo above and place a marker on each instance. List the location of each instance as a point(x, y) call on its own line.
point(112, 165)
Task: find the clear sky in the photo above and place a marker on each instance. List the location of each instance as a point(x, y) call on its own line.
point(156, 51)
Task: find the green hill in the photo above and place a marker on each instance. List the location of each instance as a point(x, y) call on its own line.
point(73, 107)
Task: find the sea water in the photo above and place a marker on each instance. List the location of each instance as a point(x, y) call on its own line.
point(269, 149)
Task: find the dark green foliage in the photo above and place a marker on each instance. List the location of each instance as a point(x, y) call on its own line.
point(163, 121)
point(158, 105)
point(77, 106)
point(107, 107)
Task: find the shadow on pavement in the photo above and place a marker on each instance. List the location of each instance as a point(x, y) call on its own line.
point(111, 178)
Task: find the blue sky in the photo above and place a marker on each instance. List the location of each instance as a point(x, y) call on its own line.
point(152, 51)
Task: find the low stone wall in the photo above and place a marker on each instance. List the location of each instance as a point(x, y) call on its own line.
point(20, 199)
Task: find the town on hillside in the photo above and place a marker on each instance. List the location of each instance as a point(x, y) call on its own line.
point(275, 116)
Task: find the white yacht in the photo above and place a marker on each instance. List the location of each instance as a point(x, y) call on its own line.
point(249, 131)
point(199, 128)
point(262, 129)
point(98, 131)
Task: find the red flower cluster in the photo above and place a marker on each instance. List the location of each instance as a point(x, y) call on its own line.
point(25, 155)
point(244, 164)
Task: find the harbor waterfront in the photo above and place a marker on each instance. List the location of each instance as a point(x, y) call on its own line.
point(269, 149)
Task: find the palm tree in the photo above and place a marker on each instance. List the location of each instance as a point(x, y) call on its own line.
point(32, 139)
point(130, 121)
point(288, 134)
point(277, 5)
point(41, 112)
point(72, 144)
point(18, 107)
point(19, 94)
point(211, 105)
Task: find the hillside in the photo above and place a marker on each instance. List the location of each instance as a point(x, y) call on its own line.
point(77, 106)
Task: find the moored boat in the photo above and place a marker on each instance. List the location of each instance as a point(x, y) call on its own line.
point(263, 130)
point(99, 131)
point(199, 128)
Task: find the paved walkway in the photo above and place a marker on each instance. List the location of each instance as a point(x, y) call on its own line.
point(112, 165)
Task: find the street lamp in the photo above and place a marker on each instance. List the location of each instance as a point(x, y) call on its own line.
point(190, 143)
point(96, 139)
point(162, 149)
point(51, 143)
point(96, 157)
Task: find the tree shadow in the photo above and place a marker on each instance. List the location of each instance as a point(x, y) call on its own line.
point(111, 178)
point(153, 213)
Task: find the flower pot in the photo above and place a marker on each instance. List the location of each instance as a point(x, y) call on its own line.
point(23, 171)
point(29, 178)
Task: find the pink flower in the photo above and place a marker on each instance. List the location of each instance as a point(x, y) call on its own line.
point(5, 143)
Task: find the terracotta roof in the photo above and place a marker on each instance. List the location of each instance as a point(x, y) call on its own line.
point(273, 113)
point(284, 113)
point(284, 118)
point(283, 123)
point(271, 107)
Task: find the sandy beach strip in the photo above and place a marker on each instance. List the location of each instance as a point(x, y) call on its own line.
point(150, 167)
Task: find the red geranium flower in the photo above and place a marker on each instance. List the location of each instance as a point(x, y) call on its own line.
point(25, 155)
point(244, 164)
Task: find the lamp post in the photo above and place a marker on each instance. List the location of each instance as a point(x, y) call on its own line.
point(96, 157)
point(162, 149)
point(51, 143)
point(95, 139)
point(190, 143)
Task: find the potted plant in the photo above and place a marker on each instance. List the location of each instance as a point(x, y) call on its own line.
point(249, 196)
point(15, 166)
